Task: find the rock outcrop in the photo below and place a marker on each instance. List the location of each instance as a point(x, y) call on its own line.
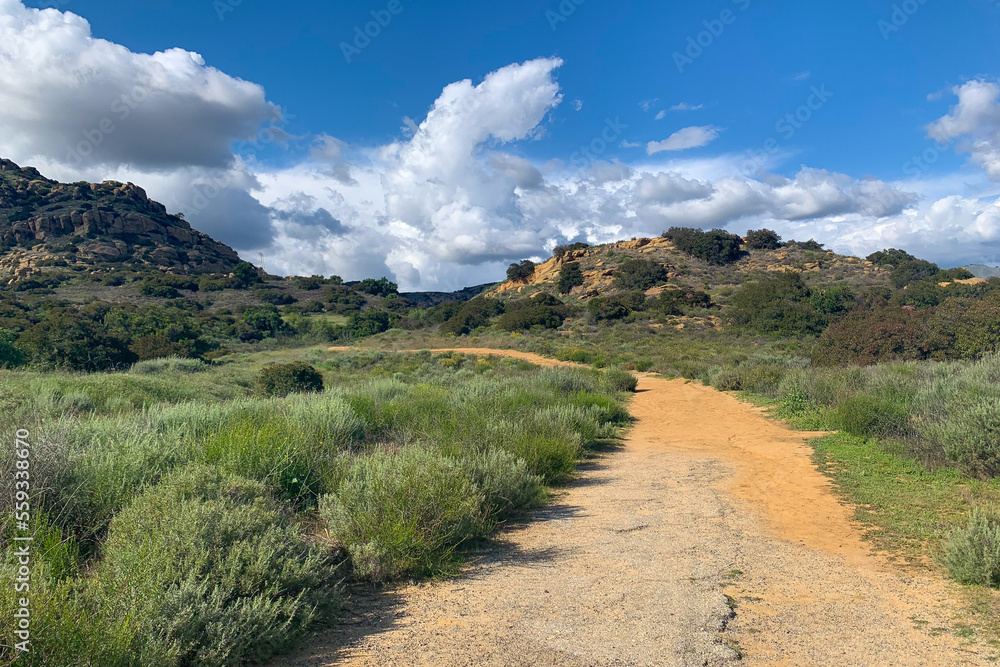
point(99, 222)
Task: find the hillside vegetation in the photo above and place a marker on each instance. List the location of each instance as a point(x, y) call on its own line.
point(205, 483)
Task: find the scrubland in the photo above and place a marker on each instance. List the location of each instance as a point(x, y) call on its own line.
point(182, 516)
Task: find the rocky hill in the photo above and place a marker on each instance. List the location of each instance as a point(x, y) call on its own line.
point(45, 223)
point(599, 264)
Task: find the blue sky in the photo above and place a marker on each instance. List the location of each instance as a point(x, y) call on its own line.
point(878, 75)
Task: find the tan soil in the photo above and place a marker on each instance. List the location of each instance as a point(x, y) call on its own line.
point(707, 506)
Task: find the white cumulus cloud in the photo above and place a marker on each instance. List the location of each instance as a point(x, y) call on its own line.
point(68, 95)
point(975, 123)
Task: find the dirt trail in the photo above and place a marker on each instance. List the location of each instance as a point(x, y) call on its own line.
point(708, 506)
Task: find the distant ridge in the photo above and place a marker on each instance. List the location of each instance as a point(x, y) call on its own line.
point(983, 271)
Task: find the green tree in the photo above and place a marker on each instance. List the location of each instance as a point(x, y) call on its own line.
point(570, 276)
point(715, 247)
point(65, 339)
point(912, 271)
point(381, 287)
point(245, 275)
point(890, 257)
point(640, 274)
point(777, 303)
point(11, 356)
point(521, 272)
point(265, 320)
point(763, 239)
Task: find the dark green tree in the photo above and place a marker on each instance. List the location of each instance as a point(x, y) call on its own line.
point(245, 275)
point(763, 239)
point(570, 276)
point(521, 272)
point(778, 303)
point(65, 339)
point(639, 274)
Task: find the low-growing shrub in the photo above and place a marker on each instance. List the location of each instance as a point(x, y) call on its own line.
point(206, 569)
point(618, 380)
point(507, 484)
point(403, 512)
point(169, 364)
point(972, 554)
point(867, 416)
point(295, 377)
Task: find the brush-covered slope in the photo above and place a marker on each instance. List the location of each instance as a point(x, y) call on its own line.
point(601, 264)
point(44, 223)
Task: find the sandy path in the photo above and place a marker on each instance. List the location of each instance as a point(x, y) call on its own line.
point(708, 506)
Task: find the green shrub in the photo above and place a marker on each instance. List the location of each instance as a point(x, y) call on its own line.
point(726, 379)
point(972, 554)
point(870, 337)
point(678, 302)
point(544, 311)
point(11, 356)
point(206, 569)
point(68, 339)
point(964, 425)
point(867, 416)
point(570, 276)
point(562, 250)
point(403, 513)
point(810, 246)
point(890, 258)
point(834, 300)
point(715, 247)
point(763, 239)
point(370, 323)
point(472, 315)
point(159, 291)
point(382, 287)
point(507, 484)
point(169, 365)
point(912, 271)
point(295, 377)
point(617, 380)
point(550, 450)
point(639, 274)
point(245, 275)
point(521, 273)
point(777, 303)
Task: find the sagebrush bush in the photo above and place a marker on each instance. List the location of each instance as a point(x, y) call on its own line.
point(972, 554)
point(295, 377)
point(623, 381)
point(405, 512)
point(867, 416)
point(507, 484)
point(202, 569)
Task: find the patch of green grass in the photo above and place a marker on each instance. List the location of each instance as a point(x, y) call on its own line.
point(906, 508)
